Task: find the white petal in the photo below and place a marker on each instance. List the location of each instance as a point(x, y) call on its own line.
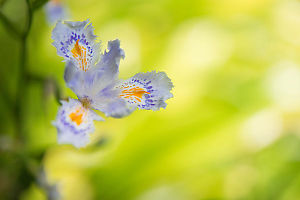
point(74, 123)
point(147, 90)
point(76, 42)
point(110, 60)
point(114, 107)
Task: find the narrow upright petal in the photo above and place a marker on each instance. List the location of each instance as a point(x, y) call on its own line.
point(110, 60)
point(76, 42)
point(147, 91)
point(74, 123)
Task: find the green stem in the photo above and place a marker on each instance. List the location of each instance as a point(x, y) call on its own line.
point(28, 171)
point(29, 20)
point(37, 4)
point(58, 95)
point(20, 91)
point(22, 80)
point(50, 80)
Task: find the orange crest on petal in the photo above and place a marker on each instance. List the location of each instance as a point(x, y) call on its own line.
point(76, 117)
point(79, 53)
point(133, 93)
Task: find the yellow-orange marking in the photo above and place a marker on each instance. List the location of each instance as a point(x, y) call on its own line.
point(79, 53)
point(136, 93)
point(76, 117)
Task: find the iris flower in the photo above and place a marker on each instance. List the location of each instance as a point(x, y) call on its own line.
point(93, 77)
point(55, 10)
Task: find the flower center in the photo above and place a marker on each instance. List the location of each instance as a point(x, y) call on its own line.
point(85, 101)
point(79, 53)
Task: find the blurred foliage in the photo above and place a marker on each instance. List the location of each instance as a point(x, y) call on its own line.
point(230, 132)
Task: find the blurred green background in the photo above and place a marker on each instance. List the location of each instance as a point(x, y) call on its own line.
point(230, 132)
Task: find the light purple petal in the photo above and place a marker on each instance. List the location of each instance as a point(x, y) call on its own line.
point(74, 123)
point(76, 42)
point(110, 60)
point(147, 91)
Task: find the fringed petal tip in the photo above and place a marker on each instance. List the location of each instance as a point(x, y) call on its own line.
point(110, 60)
point(114, 46)
point(74, 123)
point(76, 42)
point(78, 141)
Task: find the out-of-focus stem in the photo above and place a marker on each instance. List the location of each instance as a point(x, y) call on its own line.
point(46, 80)
point(58, 95)
point(28, 167)
point(29, 20)
point(22, 80)
point(38, 4)
point(21, 87)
